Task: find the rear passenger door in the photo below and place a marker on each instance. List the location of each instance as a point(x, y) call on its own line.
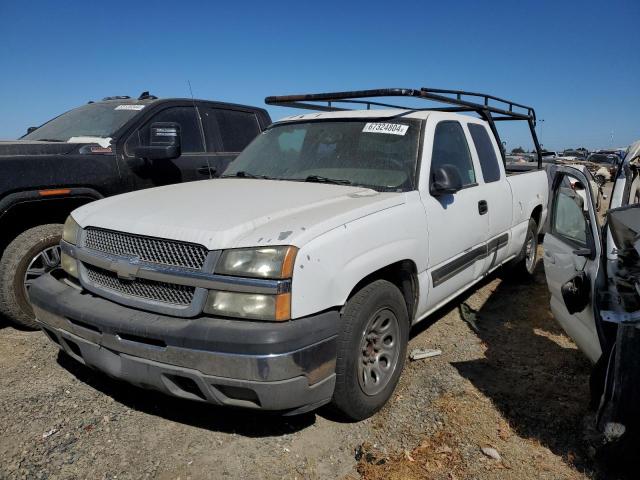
point(496, 193)
point(227, 132)
point(189, 166)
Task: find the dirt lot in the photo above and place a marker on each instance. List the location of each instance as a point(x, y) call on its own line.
point(516, 384)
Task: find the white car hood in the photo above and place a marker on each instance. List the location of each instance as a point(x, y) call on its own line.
point(232, 213)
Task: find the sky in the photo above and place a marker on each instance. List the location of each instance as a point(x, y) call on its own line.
point(576, 62)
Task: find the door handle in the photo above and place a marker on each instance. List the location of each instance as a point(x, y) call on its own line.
point(205, 170)
point(483, 207)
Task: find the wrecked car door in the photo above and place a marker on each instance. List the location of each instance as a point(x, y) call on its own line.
point(572, 250)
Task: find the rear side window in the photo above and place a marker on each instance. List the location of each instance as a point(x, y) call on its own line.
point(486, 152)
point(237, 129)
point(450, 148)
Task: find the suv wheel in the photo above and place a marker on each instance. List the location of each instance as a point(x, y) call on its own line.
point(372, 347)
point(31, 254)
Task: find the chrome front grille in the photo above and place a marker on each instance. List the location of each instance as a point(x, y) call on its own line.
point(169, 293)
point(154, 250)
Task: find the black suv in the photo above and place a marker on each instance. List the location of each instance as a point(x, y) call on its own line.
point(100, 149)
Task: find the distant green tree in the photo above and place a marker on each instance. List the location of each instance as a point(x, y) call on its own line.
point(518, 150)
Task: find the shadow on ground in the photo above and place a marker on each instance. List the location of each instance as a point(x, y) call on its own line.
point(533, 375)
point(244, 422)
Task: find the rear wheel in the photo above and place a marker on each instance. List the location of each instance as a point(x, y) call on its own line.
point(372, 348)
point(525, 263)
point(30, 255)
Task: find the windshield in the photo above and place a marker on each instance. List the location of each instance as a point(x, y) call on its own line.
point(381, 155)
point(91, 120)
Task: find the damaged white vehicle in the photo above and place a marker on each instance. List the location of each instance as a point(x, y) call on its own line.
point(293, 281)
point(593, 274)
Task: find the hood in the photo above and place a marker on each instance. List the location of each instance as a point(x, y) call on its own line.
point(231, 213)
point(33, 147)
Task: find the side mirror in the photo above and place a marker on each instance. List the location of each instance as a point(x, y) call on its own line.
point(445, 180)
point(164, 142)
point(31, 129)
point(576, 293)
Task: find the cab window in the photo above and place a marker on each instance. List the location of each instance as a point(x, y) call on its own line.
point(450, 148)
point(191, 138)
point(486, 153)
point(229, 131)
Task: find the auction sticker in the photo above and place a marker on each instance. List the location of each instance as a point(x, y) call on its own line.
point(130, 106)
point(389, 128)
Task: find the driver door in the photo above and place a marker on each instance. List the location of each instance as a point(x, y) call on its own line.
point(193, 162)
point(572, 250)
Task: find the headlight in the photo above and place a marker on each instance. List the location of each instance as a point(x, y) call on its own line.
point(263, 262)
point(249, 305)
point(70, 230)
point(69, 265)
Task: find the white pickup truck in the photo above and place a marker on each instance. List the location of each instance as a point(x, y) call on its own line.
point(293, 280)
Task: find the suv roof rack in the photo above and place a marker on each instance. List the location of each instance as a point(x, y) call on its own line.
point(487, 106)
point(116, 97)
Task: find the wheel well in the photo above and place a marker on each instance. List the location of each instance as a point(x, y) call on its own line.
point(29, 214)
point(402, 274)
point(537, 215)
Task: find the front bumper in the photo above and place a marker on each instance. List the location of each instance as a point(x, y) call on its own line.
point(263, 365)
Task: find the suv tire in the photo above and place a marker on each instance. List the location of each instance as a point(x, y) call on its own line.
point(37, 250)
point(372, 347)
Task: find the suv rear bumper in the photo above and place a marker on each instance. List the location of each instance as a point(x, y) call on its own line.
point(263, 365)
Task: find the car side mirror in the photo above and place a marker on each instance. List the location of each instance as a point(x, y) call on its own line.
point(164, 142)
point(445, 180)
point(576, 293)
point(31, 129)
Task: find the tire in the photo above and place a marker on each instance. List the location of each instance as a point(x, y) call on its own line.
point(375, 328)
point(524, 266)
point(34, 249)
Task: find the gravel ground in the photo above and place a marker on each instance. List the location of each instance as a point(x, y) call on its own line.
point(516, 384)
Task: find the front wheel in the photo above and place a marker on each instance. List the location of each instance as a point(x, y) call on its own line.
point(30, 255)
point(372, 347)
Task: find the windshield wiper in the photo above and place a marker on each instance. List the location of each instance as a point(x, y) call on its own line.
point(243, 174)
point(49, 140)
point(321, 179)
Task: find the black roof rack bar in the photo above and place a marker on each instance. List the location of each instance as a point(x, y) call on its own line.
point(485, 109)
point(424, 93)
point(460, 93)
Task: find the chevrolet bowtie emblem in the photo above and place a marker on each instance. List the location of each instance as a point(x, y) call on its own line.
point(126, 269)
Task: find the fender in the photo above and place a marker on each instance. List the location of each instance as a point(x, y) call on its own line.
point(27, 196)
point(328, 268)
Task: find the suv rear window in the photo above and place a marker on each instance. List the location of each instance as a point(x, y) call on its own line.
point(237, 129)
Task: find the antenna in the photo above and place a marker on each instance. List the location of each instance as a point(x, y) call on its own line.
point(204, 144)
point(190, 90)
point(197, 111)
